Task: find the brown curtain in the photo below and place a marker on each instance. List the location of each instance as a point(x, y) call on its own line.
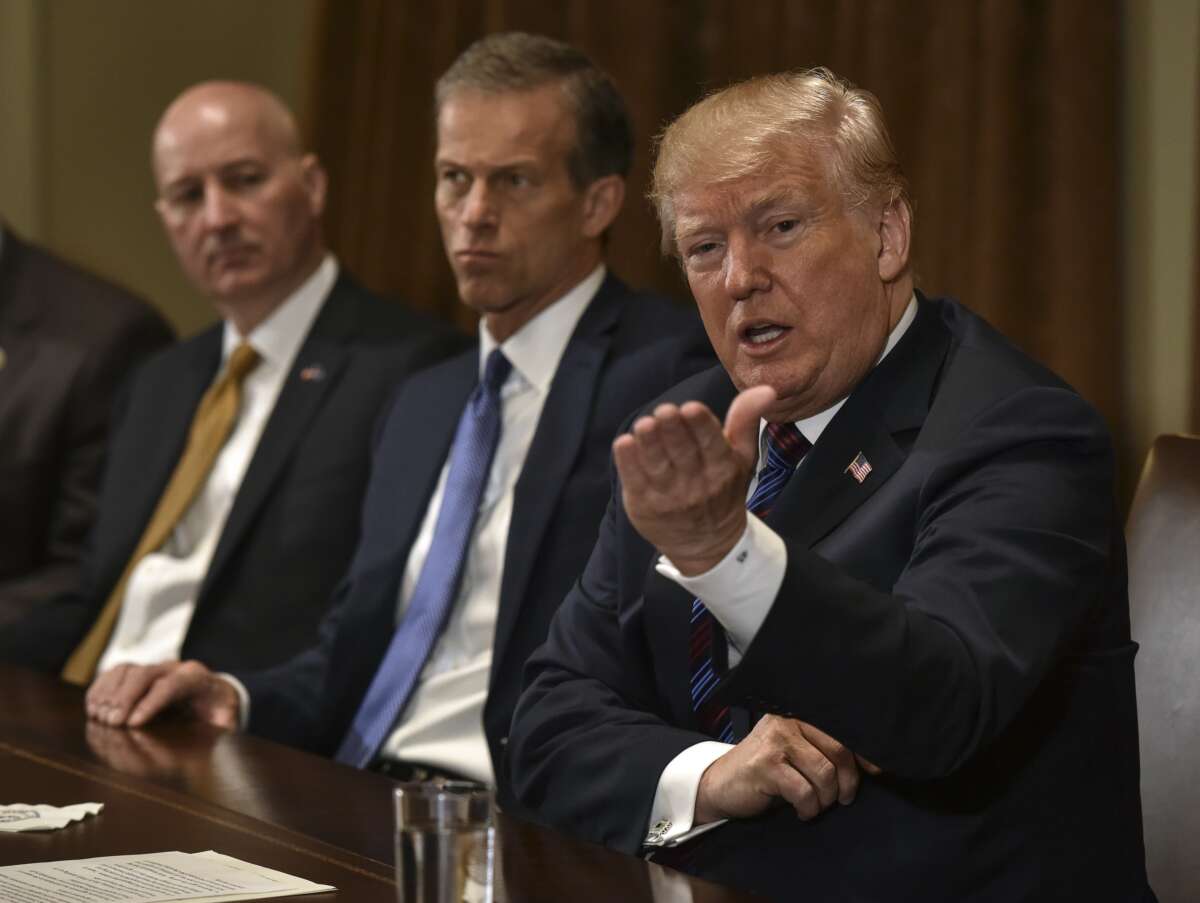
point(1005, 115)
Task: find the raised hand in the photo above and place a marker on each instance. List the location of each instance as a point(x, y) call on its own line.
point(684, 477)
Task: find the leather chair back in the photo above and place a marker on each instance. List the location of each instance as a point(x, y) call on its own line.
point(1163, 534)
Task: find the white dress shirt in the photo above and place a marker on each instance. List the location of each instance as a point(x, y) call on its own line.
point(443, 722)
point(739, 591)
point(162, 590)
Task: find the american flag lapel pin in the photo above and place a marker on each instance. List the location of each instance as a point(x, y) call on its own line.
point(859, 468)
point(313, 373)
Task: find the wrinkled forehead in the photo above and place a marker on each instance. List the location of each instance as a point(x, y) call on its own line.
point(498, 125)
point(736, 180)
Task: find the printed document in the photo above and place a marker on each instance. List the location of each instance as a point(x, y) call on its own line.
point(152, 878)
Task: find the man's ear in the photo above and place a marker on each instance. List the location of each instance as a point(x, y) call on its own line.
point(602, 202)
point(315, 182)
point(895, 230)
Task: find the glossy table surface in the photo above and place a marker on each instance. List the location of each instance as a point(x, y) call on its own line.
point(183, 786)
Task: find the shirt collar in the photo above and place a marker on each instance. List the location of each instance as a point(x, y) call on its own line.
point(277, 339)
point(812, 427)
point(535, 349)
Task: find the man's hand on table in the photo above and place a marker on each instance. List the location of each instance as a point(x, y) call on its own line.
point(781, 758)
point(684, 477)
point(132, 695)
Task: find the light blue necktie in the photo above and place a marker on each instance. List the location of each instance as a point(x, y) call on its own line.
point(470, 463)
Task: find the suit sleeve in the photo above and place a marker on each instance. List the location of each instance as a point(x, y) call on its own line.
point(1009, 568)
point(590, 736)
point(286, 701)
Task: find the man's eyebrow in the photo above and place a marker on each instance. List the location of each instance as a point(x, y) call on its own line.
point(688, 226)
point(781, 197)
point(517, 163)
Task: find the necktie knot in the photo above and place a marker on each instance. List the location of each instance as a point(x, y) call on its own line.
point(786, 446)
point(495, 372)
point(786, 441)
point(243, 359)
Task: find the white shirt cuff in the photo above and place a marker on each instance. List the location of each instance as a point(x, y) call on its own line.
point(674, 807)
point(741, 588)
point(243, 698)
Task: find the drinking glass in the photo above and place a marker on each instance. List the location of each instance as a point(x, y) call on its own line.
point(445, 842)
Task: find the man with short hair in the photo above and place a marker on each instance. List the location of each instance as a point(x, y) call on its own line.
point(491, 470)
point(68, 342)
point(873, 558)
point(230, 501)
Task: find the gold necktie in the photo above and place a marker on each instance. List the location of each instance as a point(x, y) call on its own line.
point(211, 426)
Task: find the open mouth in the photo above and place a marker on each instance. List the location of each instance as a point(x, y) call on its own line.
point(762, 333)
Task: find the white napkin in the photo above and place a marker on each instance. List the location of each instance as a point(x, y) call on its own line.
point(40, 817)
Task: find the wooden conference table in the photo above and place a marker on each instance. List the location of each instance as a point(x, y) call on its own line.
point(185, 786)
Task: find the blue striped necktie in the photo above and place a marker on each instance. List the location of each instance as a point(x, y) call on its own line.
point(786, 446)
point(471, 455)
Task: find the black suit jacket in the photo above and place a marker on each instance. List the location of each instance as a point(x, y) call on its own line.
point(68, 340)
point(959, 618)
point(294, 522)
point(625, 349)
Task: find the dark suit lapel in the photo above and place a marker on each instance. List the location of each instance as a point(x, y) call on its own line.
point(555, 446)
point(156, 443)
point(433, 402)
point(893, 399)
point(315, 371)
point(823, 491)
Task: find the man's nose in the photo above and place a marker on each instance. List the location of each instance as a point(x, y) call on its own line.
point(220, 209)
point(479, 206)
point(746, 272)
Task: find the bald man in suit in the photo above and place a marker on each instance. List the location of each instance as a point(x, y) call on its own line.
point(240, 571)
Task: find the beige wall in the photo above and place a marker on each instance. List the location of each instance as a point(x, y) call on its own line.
point(86, 81)
point(19, 107)
point(1162, 45)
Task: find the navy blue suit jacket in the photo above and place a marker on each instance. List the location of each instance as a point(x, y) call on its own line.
point(294, 521)
point(626, 349)
point(959, 618)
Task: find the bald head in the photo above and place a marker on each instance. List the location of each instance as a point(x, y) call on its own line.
point(240, 200)
point(219, 104)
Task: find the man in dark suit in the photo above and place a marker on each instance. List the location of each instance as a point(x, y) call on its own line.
point(872, 559)
point(468, 546)
point(228, 545)
point(67, 342)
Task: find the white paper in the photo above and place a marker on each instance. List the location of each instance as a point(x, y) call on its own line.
point(40, 817)
point(152, 878)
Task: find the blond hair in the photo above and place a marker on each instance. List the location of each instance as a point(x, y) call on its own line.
point(749, 126)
